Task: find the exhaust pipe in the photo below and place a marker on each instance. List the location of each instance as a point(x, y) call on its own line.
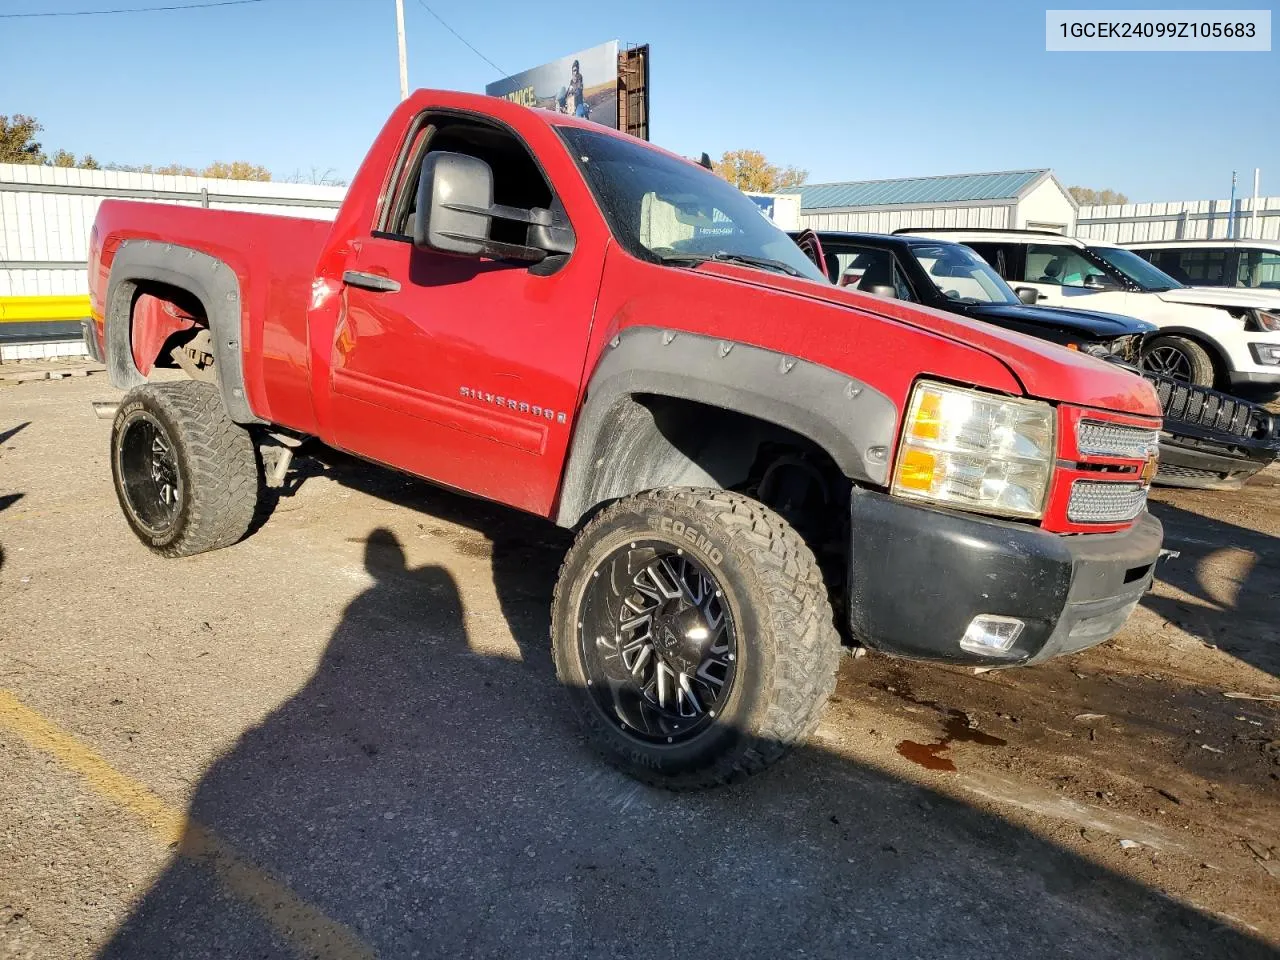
point(105, 409)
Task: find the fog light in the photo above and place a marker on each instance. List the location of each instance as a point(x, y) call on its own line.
point(988, 634)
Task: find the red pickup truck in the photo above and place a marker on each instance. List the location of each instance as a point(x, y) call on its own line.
point(537, 310)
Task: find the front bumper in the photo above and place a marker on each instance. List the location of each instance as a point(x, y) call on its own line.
point(918, 576)
point(1239, 379)
point(1184, 462)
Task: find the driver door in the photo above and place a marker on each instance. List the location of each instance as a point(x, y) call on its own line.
point(1061, 274)
point(462, 370)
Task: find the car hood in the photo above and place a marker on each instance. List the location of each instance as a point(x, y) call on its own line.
point(1045, 370)
point(1223, 297)
point(1090, 323)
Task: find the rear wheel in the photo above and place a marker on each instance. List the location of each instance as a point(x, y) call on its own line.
point(693, 631)
point(1181, 359)
point(185, 474)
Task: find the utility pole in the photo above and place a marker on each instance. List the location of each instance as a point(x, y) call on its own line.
point(1253, 210)
point(1231, 209)
point(404, 60)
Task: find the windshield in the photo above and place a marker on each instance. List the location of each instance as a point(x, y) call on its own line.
point(1147, 276)
point(961, 275)
point(663, 209)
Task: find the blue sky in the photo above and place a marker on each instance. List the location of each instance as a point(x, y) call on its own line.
point(845, 90)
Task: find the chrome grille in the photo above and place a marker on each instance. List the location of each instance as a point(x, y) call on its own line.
point(1099, 501)
point(1101, 439)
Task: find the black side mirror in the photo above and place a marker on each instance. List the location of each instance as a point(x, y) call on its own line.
point(1028, 295)
point(456, 212)
point(883, 290)
point(455, 193)
point(1095, 281)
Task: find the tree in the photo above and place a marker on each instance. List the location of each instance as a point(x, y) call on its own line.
point(1086, 197)
point(18, 142)
point(317, 177)
point(236, 170)
point(749, 170)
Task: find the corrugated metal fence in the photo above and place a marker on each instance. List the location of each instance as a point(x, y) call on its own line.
point(45, 217)
point(1180, 220)
point(46, 214)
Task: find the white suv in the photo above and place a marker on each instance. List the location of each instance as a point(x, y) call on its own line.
point(1249, 264)
point(1209, 335)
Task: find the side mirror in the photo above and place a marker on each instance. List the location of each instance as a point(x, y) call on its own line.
point(455, 193)
point(456, 212)
point(883, 290)
point(1028, 295)
point(1096, 281)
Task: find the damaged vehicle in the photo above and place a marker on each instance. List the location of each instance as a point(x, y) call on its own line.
point(756, 465)
point(1217, 337)
point(1209, 440)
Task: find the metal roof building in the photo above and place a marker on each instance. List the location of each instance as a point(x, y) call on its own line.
point(1017, 199)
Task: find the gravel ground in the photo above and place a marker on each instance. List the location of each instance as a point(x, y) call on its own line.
point(344, 738)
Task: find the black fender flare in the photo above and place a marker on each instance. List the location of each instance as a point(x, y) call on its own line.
point(851, 420)
point(209, 280)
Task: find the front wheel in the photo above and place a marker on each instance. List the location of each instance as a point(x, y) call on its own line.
point(1179, 358)
point(693, 632)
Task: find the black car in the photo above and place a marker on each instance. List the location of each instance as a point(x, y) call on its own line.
point(1210, 440)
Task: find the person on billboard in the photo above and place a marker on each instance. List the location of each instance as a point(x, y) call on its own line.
point(571, 99)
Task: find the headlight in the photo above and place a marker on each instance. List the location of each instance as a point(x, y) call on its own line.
point(1265, 320)
point(975, 451)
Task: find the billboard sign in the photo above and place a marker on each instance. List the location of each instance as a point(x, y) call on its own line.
point(582, 84)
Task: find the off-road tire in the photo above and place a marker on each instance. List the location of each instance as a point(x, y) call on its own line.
point(789, 646)
point(1200, 363)
point(216, 461)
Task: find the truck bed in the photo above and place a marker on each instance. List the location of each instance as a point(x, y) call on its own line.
point(274, 258)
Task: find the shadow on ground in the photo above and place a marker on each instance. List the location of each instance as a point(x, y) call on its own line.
point(1235, 613)
point(437, 802)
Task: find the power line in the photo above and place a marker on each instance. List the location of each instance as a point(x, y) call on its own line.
point(462, 38)
point(96, 13)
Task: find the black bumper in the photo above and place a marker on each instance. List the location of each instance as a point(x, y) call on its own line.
point(1211, 440)
point(918, 576)
point(1186, 462)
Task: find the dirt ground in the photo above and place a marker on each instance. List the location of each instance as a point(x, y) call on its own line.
point(343, 738)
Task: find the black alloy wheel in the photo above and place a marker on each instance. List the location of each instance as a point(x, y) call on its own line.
point(150, 479)
point(658, 643)
point(1169, 361)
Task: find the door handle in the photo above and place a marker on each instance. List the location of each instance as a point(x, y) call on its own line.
point(370, 281)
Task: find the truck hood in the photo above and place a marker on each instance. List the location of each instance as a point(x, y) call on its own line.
point(1223, 297)
point(1089, 323)
point(1045, 370)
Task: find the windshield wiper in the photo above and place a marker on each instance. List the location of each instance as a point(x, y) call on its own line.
point(724, 256)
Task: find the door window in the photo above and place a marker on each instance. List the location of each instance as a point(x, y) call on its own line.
point(1260, 268)
point(1197, 267)
point(866, 267)
point(517, 179)
point(1057, 264)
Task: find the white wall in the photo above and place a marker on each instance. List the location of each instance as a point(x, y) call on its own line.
point(888, 219)
point(46, 214)
point(1046, 205)
point(1178, 220)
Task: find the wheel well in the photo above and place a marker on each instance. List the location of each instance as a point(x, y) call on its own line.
point(162, 318)
point(651, 441)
